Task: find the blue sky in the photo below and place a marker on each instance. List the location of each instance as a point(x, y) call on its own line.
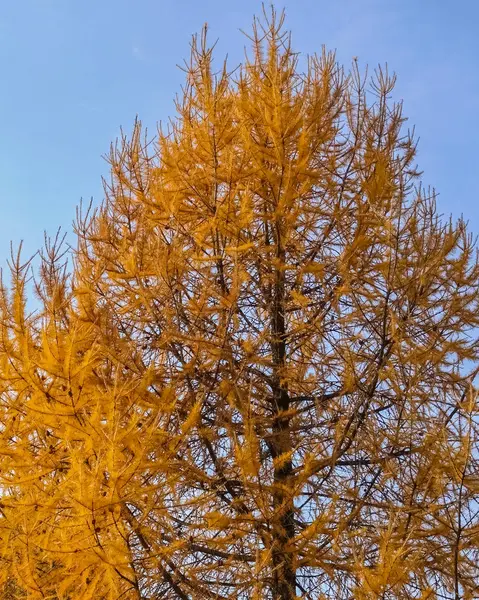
point(74, 71)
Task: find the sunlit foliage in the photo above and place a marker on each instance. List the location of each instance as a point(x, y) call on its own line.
point(256, 380)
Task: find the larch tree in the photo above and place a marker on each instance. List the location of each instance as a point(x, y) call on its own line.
point(257, 378)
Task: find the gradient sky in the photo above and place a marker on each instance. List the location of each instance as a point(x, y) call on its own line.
point(74, 71)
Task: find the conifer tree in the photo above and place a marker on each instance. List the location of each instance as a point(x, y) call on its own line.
point(256, 381)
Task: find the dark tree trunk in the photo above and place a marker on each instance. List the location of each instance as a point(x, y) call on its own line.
point(284, 574)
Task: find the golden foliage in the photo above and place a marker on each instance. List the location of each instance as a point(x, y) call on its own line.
point(258, 379)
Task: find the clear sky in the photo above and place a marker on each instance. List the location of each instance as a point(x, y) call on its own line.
point(74, 71)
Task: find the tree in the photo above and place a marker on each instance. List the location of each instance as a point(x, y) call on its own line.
point(257, 378)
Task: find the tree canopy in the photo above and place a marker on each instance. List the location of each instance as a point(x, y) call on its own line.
point(256, 378)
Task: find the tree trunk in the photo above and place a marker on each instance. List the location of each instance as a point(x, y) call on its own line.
point(284, 573)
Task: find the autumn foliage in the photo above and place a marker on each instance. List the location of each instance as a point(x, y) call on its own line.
point(256, 378)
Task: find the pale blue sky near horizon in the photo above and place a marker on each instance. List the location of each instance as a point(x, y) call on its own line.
point(74, 71)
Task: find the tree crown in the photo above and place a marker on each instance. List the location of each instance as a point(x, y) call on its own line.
point(257, 380)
